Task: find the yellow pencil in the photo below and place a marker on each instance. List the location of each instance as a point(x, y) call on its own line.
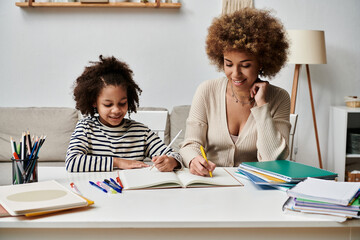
point(204, 156)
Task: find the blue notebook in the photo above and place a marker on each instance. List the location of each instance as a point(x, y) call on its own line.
point(256, 180)
point(262, 183)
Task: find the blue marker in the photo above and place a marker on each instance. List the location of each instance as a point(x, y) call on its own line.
point(115, 183)
point(92, 183)
point(107, 182)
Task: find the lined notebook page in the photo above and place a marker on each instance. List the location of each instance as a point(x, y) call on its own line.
point(146, 178)
point(220, 178)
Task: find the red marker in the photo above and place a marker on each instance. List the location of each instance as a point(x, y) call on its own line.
point(119, 181)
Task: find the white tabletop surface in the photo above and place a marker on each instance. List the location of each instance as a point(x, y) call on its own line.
point(218, 207)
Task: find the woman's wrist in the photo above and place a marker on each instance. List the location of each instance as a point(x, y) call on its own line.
point(191, 162)
point(261, 103)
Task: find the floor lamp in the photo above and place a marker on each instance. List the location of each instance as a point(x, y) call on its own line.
point(306, 47)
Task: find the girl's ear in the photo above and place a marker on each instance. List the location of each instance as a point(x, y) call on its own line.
point(94, 105)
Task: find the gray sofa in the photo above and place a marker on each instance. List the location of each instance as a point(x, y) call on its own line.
point(58, 124)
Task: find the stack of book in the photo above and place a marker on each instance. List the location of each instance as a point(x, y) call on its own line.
point(281, 174)
point(325, 197)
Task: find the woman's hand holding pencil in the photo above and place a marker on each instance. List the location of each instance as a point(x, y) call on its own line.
point(201, 166)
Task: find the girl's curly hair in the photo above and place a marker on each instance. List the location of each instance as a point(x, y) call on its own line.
point(107, 71)
point(251, 30)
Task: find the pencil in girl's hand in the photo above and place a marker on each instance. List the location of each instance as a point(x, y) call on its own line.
point(168, 147)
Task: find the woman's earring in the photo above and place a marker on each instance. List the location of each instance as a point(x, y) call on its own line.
point(95, 112)
point(261, 72)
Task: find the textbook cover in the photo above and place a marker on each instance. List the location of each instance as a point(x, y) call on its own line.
point(39, 197)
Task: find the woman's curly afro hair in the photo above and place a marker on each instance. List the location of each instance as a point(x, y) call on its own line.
point(253, 31)
point(107, 71)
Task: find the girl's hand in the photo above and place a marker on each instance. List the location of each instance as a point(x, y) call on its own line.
point(258, 91)
point(128, 164)
point(165, 163)
point(199, 166)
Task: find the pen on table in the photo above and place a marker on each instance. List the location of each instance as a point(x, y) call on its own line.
point(167, 148)
point(106, 187)
point(107, 182)
point(103, 184)
point(116, 184)
point(93, 184)
point(204, 156)
point(119, 181)
point(73, 186)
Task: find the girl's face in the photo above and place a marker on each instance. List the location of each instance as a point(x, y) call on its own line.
point(241, 69)
point(112, 105)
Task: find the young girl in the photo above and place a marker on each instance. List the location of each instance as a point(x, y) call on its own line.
point(104, 139)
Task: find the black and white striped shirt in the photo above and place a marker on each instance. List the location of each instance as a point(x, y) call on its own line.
point(93, 145)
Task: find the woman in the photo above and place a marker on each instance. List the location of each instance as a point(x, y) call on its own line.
point(240, 118)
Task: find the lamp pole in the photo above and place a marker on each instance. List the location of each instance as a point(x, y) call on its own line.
point(293, 103)
point(313, 114)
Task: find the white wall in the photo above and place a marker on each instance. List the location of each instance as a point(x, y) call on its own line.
point(44, 50)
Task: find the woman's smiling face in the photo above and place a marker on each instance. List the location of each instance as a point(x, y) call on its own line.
point(241, 69)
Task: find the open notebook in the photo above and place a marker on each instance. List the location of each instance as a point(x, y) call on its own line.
point(145, 178)
point(38, 198)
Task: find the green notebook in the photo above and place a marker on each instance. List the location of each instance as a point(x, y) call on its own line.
point(288, 171)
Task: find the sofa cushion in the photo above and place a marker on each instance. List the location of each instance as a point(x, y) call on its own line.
point(56, 123)
point(178, 117)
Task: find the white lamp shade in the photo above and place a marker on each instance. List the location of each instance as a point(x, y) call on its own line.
point(307, 47)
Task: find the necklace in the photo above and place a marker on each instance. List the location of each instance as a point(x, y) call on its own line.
point(250, 100)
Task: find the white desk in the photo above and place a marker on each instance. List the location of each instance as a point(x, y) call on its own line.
point(203, 213)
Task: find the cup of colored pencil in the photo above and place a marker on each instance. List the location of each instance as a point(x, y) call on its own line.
point(25, 156)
